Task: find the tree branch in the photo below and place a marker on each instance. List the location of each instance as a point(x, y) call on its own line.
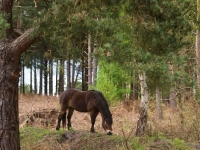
point(22, 43)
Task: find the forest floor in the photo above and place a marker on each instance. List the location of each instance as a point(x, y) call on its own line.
point(179, 129)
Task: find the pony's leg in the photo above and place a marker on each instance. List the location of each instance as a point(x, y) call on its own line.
point(93, 115)
point(69, 116)
point(62, 116)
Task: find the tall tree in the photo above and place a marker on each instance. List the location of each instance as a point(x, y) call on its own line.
point(11, 48)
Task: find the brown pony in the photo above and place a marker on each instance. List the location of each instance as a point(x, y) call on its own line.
point(85, 101)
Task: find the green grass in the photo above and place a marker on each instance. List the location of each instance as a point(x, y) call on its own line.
point(31, 137)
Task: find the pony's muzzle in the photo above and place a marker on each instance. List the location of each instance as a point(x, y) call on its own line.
point(109, 132)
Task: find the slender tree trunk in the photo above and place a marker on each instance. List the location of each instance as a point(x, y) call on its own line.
point(41, 76)
point(51, 73)
point(73, 73)
point(142, 122)
point(35, 76)
point(135, 87)
point(84, 69)
point(158, 104)
point(197, 47)
point(172, 95)
point(78, 72)
point(61, 77)
point(94, 67)
point(46, 76)
point(89, 61)
point(57, 78)
point(31, 77)
point(23, 76)
point(68, 71)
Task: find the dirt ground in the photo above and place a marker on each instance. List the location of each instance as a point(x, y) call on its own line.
point(42, 112)
point(123, 117)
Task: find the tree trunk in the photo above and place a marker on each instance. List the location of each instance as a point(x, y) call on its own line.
point(73, 73)
point(23, 76)
point(10, 52)
point(61, 77)
point(35, 76)
point(158, 104)
point(45, 76)
point(51, 73)
point(94, 67)
point(56, 93)
point(89, 61)
point(84, 69)
point(68, 71)
point(197, 47)
point(50, 77)
point(77, 73)
point(135, 87)
point(142, 122)
point(172, 95)
point(41, 76)
point(31, 77)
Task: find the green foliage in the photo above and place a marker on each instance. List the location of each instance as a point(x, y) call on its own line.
point(4, 25)
point(160, 25)
point(178, 144)
point(110, 78)
point(137, 145)
point(106, 86)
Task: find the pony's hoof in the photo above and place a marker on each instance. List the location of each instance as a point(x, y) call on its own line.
point(57, 128)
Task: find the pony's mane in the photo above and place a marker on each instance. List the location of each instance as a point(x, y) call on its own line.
point(101, 101)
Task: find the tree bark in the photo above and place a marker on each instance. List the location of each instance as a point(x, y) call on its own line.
point(89, 61)
point(61, 77)
point(31, 76)
point(197, 47)
point(57, 72)
point(41, 76)
point(51, 74)
point(73, 73)
point(172, 95)
point(158, 105)
point(142, 121)
point(94, 67)
point(10, 52)
point(23, 77)
point(68, 71)
point(35, 76)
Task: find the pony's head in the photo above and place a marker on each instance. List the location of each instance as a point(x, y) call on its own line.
point(107, 125)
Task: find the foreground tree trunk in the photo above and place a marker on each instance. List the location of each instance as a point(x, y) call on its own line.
point(142, 122)
point(10, 52)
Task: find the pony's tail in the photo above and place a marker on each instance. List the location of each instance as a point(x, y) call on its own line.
point(64, 120)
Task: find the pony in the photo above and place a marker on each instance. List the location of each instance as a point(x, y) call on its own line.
point(91, 101)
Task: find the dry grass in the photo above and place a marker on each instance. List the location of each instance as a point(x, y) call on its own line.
point(182, 122)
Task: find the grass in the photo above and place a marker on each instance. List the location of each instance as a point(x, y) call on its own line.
point(33, 138)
